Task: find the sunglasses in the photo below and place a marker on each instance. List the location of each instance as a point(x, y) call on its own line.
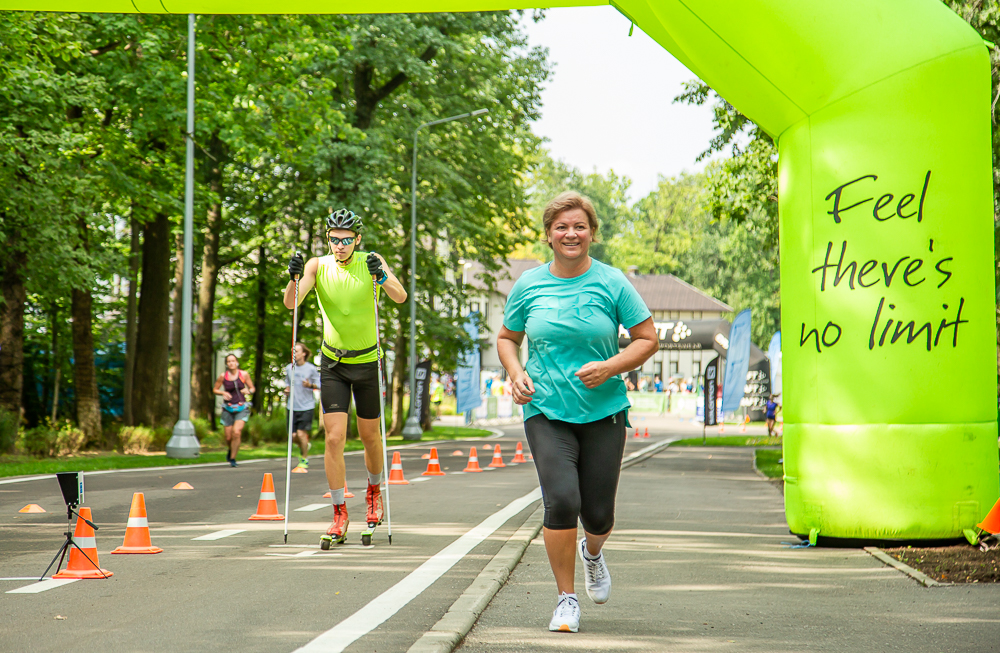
point(345, 241)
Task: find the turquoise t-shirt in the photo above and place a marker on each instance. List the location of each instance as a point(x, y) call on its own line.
point(571, 322)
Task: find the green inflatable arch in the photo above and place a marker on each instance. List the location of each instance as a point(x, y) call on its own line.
point(881, 114)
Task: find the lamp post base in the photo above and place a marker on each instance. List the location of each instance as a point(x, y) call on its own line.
point(183, 443)
point(412, 429)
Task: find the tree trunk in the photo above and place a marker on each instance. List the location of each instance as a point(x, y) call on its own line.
point(202, 399)
point(88, 402)
point(12, 325)
point(149, 397)
point(399, 373)
point(131, 323)
point(174, 373)
point(261, 314)
point(54, 366)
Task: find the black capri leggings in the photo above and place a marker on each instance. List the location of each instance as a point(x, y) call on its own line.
point(578, 467)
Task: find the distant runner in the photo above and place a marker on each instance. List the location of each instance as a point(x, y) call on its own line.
point(349, 364)
point(302, 379)
point(231, 385)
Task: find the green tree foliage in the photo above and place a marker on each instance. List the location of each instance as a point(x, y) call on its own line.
point(295, 116)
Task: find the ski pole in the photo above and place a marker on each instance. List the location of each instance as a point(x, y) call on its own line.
point(291, 401)
point(381, 399)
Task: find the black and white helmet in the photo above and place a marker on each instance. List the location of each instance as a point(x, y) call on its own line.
point(344, 219)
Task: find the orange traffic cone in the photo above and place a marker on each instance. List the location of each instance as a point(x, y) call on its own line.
point(636, 433)
point(183, 485)
point(267, 505)
point(426, 456)
point(137, 532)
point(433, 465)
point(743, 427)
point(328, 495)
point(457, 452)
point(518, 455)
point(79, 566)
point(32, 507)
point(497, 458)
point(646, 433)
point(473, 465)
point(396, 471)
point(991, 524)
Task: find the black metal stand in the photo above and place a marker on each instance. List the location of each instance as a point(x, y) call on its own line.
point(70, 542)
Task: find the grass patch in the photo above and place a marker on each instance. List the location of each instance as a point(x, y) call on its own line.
point(730, 441)
point(211, 452)
point(767, 461)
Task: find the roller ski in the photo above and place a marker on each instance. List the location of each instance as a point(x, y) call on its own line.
point(374, 516)
point(337, 533)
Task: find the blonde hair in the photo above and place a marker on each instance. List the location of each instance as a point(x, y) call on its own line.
point(568, 201)
point(305, 350)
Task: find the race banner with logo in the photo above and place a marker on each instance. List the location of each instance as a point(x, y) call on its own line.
point(711, 391)
point(422, 393)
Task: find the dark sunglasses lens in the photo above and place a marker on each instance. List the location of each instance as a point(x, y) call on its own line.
point(337, 241)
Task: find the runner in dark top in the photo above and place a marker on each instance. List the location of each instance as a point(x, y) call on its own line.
point(235, 407)
point(771, 409)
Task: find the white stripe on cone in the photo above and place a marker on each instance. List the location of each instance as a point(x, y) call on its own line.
point(267, 496)
point(85, 542)
point(137, 522)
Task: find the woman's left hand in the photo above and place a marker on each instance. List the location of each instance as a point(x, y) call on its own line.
point(594, 373)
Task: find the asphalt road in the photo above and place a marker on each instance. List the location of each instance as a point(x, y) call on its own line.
point(249, 591)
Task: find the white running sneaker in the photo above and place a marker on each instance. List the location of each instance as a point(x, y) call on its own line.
point(566, 617)
point(596, 574)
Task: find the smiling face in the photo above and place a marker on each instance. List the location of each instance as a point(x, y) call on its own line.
point(570, 235)
point(341, 251)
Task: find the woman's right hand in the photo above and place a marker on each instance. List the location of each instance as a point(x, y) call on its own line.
point(226, 395)
point(523, 388)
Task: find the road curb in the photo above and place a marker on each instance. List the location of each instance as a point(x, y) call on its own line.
point(916, 575)
point(449, 631)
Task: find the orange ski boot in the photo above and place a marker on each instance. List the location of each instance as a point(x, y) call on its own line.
point(373, 500)
point(337, 533)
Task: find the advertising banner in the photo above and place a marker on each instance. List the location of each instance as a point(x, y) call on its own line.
point(737, 363)
point(467, 388)
point(711, 391)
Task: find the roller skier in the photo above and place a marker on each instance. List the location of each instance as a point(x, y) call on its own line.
point(347, 283)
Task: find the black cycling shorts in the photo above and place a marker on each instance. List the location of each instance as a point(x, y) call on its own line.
point(578, 467)
point(302, 420)
point(338, 381)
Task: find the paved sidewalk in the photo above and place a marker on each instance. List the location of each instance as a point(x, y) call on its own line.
point(700, 563)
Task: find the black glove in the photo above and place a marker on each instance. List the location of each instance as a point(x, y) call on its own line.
point(296, 266)
point(375, 267)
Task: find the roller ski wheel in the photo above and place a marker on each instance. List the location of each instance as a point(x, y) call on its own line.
point(325, 542)
point(366, 536)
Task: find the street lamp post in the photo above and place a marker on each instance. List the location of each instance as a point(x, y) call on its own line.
point(184, 443)
point(412, 430)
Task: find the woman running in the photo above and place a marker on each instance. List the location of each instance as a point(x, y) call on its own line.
point(575, 406)
point(235, 407)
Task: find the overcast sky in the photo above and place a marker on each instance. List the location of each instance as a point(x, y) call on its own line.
point(608, 104)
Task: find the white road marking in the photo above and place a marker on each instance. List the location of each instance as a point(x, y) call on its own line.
point(218, 535)
point(301, 554)
point(420, 479)
point(399, 595)
point(35, 588)
point(313, 506)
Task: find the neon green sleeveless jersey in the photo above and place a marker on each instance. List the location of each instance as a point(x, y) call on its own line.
point(347, 305)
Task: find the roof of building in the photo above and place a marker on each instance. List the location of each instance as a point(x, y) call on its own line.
point(661, 292)
point(665, 292)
